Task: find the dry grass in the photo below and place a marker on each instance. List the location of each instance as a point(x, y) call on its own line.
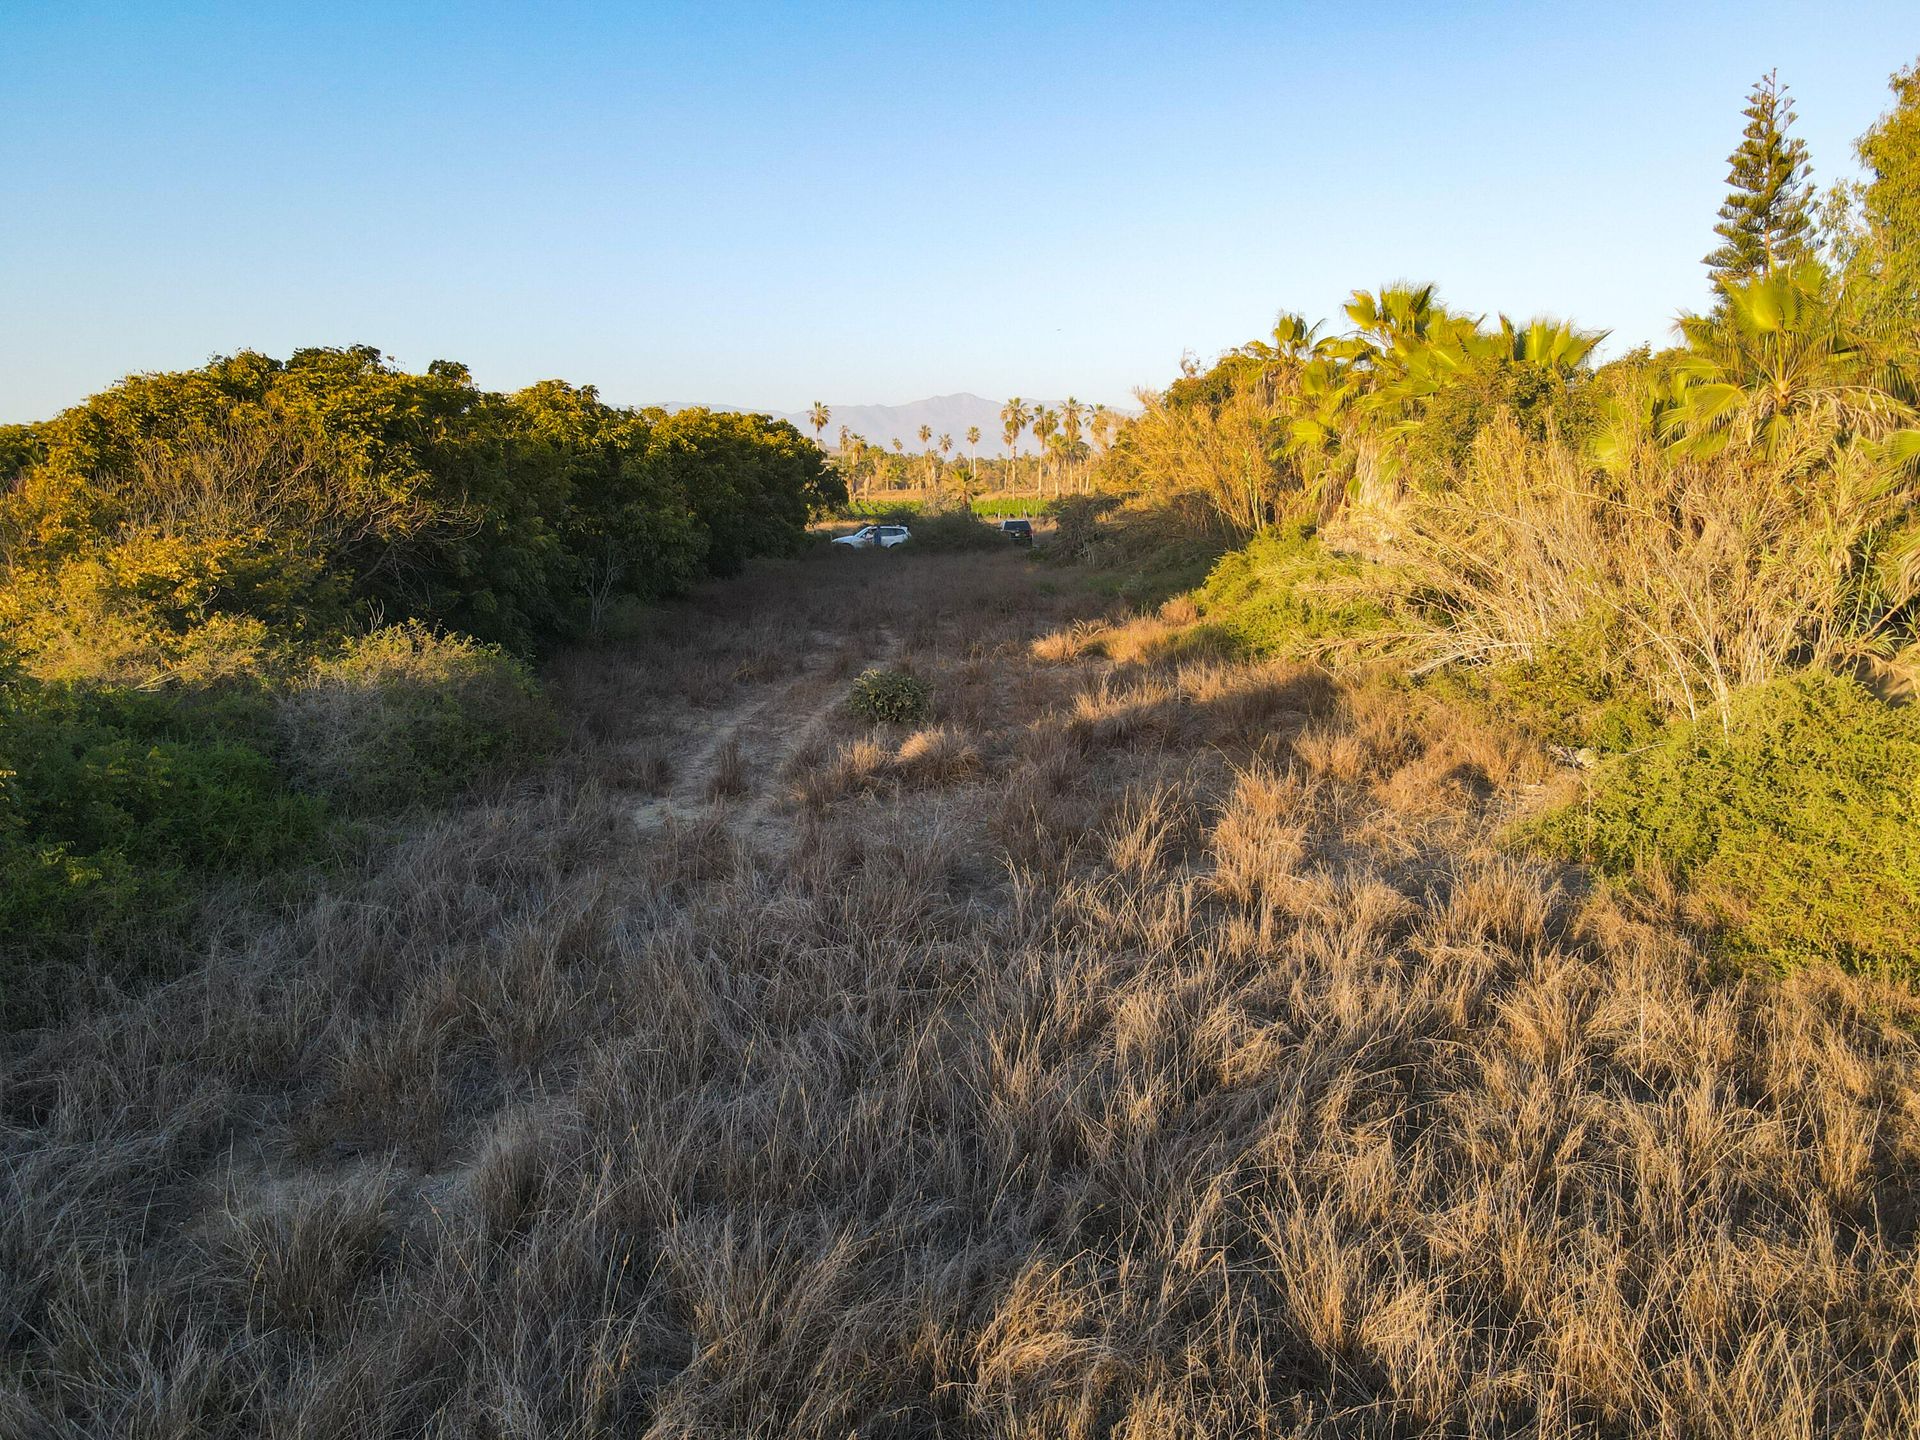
point(1687, 579)
point(1162, 1049)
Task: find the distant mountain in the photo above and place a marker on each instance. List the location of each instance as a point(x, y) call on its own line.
point(883, 424)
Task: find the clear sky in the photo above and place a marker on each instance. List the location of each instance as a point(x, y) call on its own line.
point(768, 204)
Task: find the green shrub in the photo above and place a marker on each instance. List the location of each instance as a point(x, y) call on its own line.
point(1285, 594)
point(884, 512)
point(891, 697)
point(408, 715)
point(1799, 826)
point(1571, 694)
point(116, 807)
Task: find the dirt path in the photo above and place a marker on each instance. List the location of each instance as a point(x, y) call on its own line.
point(735, 757)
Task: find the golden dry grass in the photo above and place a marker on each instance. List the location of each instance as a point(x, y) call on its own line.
point(1143, 1047)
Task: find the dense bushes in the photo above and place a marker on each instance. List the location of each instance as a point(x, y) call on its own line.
point(314, 493)
point(1665, 561)
point(955, 530)
point(247, 596)
point(1798, 824)
point(115, 807)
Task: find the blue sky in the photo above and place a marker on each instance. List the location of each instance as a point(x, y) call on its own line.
point(862, 203)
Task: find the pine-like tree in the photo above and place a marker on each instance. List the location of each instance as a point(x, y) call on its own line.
point(1767, 223)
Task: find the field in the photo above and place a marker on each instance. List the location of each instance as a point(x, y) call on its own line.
point(915, 502)
point(1145, 1042)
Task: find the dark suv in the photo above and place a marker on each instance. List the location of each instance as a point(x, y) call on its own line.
point(1018, 531)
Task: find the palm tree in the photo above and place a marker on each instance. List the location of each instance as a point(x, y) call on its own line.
point(818, 417)
point(973, 449)
point(844, 432)
point(1548, 344)
point(1013, 419)
point(1045, 422)
point(1777, 351)
point(1099, 424)
point(1071, 412)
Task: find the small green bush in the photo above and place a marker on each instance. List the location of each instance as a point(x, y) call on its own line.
point(891, 697)
point(408, 715)
point(1799, 826)
point(1285, 594)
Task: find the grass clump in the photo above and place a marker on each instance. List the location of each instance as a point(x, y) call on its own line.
point(409, 715)
point(1798, 825)
point(891, 697)
point(1286, 595)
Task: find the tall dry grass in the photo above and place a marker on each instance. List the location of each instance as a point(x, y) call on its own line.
point(1157, 1047)
point(1689, 577)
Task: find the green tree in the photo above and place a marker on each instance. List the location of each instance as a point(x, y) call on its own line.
point(818, 416)
point(1013, 420)
point(1887, 265)
point(1766, 223)
point(1044, 423)
point(1779, 350)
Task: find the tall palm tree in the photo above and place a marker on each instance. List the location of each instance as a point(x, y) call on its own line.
point(925, 432)
point(818, 417)
point(844, 432)
point(973, 449)
point(1013, 419)
point(1071, 413)
point(1046, 420)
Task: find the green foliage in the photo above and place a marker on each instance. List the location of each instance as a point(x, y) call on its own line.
point(1286, 595)
point(1886, 265)
point(1799, 824)
point(890, 512)
point(1571, 695)
point(891, 697)
point(21, 447)
point(1541, 399)
point(1766, 222)
point(316, 493)
point(1023, 507)
point(406, 716)
point(752, 483)
point(116, 807)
